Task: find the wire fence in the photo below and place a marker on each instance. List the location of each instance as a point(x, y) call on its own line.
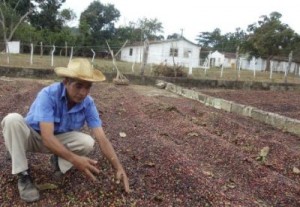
point(224, 66)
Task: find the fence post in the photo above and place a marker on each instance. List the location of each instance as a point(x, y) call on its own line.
point(190, 63)
point(254, 67)
point(208, 64)
point(93, 55)
point(240, 65)
point(52, 61)
point(41, 46)
point(288, 66)
point(271, 70)
point(71, 55)
point(132, 67)
point(66, 48)
point(7, 51)
point(236, 62)
point(222, 69)
point(31, 54)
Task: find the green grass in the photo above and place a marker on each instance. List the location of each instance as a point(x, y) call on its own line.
point(106, 65)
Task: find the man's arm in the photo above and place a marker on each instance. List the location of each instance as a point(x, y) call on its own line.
point(82, 163)
point(110, 154)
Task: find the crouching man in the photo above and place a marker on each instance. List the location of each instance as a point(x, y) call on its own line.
point(53, 125)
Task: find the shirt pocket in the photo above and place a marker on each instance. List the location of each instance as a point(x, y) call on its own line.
point(77, 121)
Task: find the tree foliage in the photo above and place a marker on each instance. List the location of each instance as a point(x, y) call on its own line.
point(140, 30)
point(97, 23)
point(210, 39)
point(48, 16)
point(174, 36)
point(269, 37)
point(12, 14)
point(216, 41)
point(67, 15)
point(150, 28)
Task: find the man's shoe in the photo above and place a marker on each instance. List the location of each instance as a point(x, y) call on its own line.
point(54, 162)
point(28, 191)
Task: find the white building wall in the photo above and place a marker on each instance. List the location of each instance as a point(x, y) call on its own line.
point(160, 53)
point(218, 59)
point(229, 62)
point(13, 47)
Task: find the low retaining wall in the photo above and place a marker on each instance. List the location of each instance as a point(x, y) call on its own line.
point(150, 80)
point(231, 84)
point(275, 120)
point(48, 73)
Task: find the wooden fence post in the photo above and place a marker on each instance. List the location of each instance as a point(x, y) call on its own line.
point(66, 49)
point(287, 69)
point(7, 51)
point(52, 54)
point(71, 55)
point(31, 54)
point(93, 55)
point(236, 62)
point(41, 48)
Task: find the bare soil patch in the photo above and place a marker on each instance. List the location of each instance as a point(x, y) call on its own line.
point(177, 152)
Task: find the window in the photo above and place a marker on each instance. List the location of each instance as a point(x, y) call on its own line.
point(174, 52)
point(130, 52)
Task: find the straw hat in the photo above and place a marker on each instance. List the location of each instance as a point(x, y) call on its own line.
point(82, 69)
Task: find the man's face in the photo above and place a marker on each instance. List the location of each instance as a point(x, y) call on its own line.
point(77, 90)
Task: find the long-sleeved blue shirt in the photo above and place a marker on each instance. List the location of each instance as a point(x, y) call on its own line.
point(50, 105)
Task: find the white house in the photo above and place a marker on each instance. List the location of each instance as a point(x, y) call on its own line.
point(184, 52)
point(228, 60)
point(217, 59)
point(276, 65)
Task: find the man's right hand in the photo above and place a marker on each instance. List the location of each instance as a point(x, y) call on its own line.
point(86, 165)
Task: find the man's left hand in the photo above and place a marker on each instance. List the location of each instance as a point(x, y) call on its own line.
point(121, 175)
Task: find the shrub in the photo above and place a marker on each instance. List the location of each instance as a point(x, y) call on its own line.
point(168, 71)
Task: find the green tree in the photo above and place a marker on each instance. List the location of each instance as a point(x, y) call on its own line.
point(232, 40)
point(97, 23)
point(26, 33)
point(12, 14)
point(48, 15)
point(269, 37)
point(130, 33)
point(173, 36)
point(210, 39)
point(150, 28)
point(223, 43)
point(140, 30)
point(66, 15)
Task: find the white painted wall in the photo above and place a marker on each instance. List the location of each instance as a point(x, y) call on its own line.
point(217, 59)
point(13, 47)
point(159, 52)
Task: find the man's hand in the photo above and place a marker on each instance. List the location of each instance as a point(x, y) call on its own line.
point(86, 165)
point(109, 152)
point(121, 175)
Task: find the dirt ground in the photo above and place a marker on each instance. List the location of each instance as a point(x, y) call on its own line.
point(177, 152)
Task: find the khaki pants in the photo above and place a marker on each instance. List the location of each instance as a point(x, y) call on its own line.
point(20, 138)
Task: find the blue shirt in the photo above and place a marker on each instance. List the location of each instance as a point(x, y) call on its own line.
point(50, 105)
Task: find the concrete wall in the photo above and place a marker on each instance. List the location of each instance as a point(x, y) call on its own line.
point(146, 80)
point(275, 120)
